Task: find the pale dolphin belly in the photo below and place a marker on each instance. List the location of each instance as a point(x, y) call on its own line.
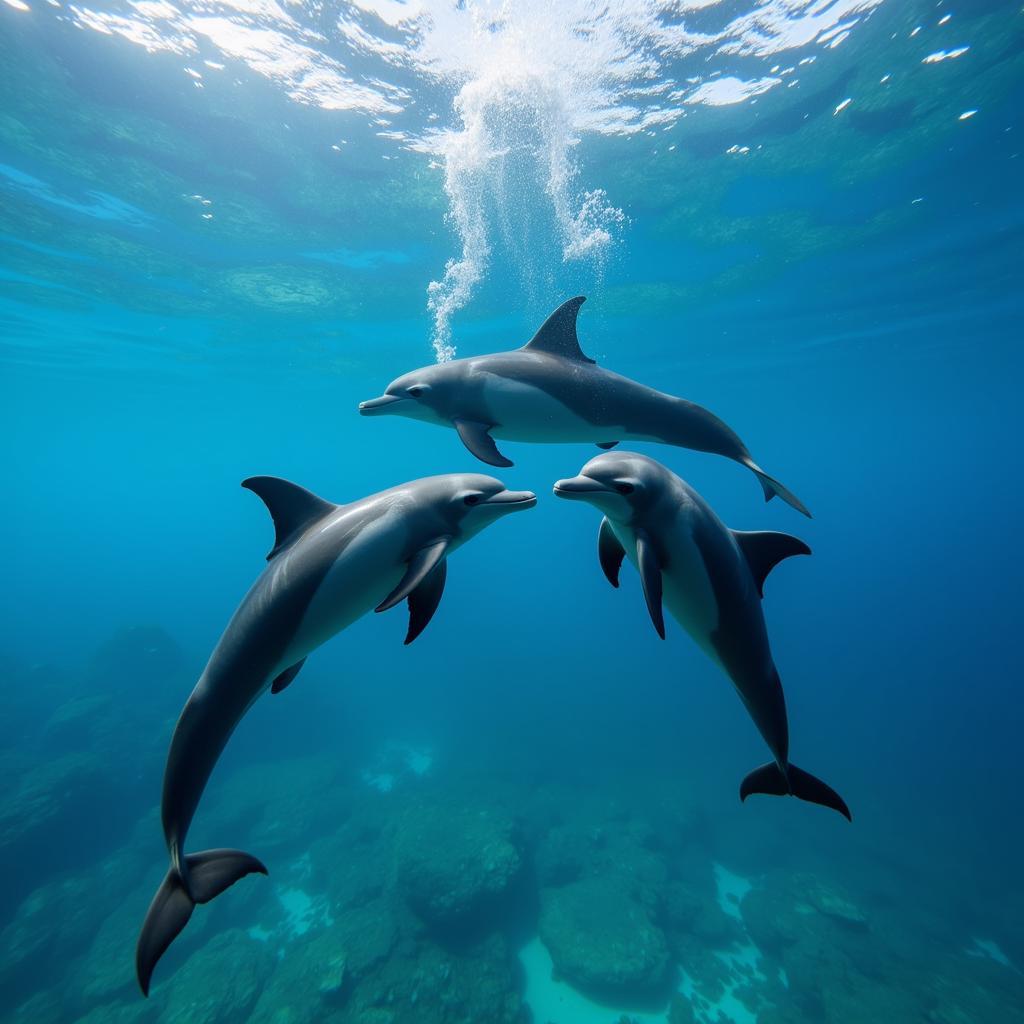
point(369, 568)
point(686, 587)
point(523, 412)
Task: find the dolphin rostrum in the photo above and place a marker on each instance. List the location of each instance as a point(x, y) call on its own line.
point(711, 578)
point(549, 391)
point(330, 564)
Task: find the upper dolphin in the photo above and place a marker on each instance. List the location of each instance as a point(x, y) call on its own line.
point(711, 578)
point(549, 391)
point(330, 564)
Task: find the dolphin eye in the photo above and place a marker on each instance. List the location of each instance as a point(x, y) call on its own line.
point(625, 488)
point(471, 499)
point(415, 391)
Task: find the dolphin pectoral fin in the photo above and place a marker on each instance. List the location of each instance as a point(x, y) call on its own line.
point(650, 577)
point(210, 873)
point(803, 785)
point(291, 507)
point(610, 552)
point(772, 487)
point(557, 335)
point(764, 550)
point(420, 566)
point(607, 445)
point(285, 678)
point(424, 599)
point(476, 437)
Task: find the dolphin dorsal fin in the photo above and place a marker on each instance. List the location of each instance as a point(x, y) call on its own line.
point(764, 550)
point(291, 507)
point(557, 335)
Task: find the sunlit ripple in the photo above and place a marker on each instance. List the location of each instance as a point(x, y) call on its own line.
point(521, 77)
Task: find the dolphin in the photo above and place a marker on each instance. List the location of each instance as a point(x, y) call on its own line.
point(330, 564)
point(549, 391)
point(712, 580)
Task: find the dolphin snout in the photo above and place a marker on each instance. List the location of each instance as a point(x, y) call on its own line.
point(375, 405)
point(512, 500)
point(577, 487)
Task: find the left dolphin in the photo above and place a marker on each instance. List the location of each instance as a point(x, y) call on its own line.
point(329, 566)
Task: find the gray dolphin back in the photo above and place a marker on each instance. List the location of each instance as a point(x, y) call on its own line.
point(646, 413)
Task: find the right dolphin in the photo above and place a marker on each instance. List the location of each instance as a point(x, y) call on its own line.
point(712, 580)
point(330, 565)
point(550, 392)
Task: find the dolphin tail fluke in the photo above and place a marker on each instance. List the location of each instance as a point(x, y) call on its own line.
point(209, 874)
point(772, 487)
point(803, 785)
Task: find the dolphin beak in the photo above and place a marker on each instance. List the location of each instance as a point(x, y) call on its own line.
point(377, 405)
point(512, 501)
point(577, 488)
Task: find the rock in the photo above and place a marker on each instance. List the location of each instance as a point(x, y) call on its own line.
point(694, 913)
point(561, 855)
point(219, 983)
point(135, 1012)
point(137, 656)
point(454, 863)
point(367, 934)
point(45, 1007)
point(602, 939)
point(50, 927)
point(680, 1011)
point(588, 845)
point(44, 790)
point(30, 691)
point(423, 984)
point(74, 723)
point(828, 899)
point(310, 982)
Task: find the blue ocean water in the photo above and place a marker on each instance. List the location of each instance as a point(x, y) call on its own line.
point(223, 225)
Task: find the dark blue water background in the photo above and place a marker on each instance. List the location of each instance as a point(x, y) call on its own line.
point(866, 344)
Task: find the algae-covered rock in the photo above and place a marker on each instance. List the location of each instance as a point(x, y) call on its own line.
point(52, 925)
point(309, 983)
point(599, 839)
point(367, 934)
point(837, 970)
point(136, 1011)
point(602, 939)
point(45, 1007)
point(968, 989)
point(219, 983)
point(455, 862)
point(693, 913)
point(680, 1011)
point(43, 791)
point(784, 908)
point(829, 899)
point(561, 856)
point(424, 984)
point(136, 656)
point(278, 806)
